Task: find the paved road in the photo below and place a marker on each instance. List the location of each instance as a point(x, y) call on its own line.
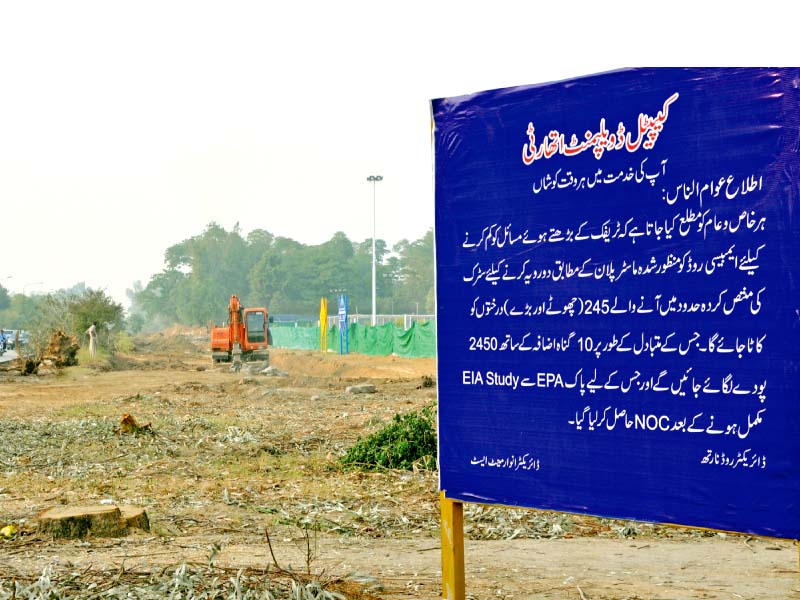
point(8, 355)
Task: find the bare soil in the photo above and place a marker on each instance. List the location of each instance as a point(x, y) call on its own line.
point(234, 457)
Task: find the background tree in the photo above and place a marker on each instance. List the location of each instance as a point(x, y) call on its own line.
point(5, 298)
point(267, 278)
point(15, 314)
point(136, 317)
point(414, 274)
point(91, 306)
point(159, 300)
point(47, 314)
point(286, 276)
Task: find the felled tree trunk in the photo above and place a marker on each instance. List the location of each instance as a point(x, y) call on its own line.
point(96, 520)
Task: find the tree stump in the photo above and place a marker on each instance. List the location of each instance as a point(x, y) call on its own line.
point(134, 517)
point(96, 520)
point(361, 388)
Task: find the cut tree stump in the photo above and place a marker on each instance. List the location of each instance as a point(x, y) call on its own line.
point(134, 517)
point(96, 520)
point(361, 388)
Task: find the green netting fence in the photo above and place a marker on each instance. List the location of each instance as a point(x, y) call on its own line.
point(419, 340)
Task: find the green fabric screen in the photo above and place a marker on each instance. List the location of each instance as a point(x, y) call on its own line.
point(417, 341)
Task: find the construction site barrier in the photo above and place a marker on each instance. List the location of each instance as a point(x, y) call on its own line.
point(418, 341)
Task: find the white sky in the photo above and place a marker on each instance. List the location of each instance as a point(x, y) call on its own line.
point(127, 127)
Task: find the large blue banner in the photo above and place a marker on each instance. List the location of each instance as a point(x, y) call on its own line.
point(618, 296)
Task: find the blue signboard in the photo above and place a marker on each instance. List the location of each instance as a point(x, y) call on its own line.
point(344, 347)
point(618, 296)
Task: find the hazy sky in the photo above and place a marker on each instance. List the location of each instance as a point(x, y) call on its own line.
point(127, 127)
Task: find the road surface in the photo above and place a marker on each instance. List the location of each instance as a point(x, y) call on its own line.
point(8, 355)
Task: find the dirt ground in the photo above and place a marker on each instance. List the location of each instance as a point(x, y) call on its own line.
point(237, 457)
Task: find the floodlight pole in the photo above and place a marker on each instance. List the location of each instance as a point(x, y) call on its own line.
point(374, 179)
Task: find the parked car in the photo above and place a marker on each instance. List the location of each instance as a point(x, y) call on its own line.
point(11, 338)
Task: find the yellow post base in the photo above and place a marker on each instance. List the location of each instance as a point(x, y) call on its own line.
point(453, 587)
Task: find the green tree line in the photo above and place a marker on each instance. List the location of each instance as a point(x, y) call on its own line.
point(287, 277)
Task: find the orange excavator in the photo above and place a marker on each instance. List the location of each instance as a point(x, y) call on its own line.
point(246, 336)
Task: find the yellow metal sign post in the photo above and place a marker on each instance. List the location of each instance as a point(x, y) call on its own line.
point(452, 531)
point(453, 586)
point(323, 324)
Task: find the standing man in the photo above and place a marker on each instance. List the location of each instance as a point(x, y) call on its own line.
point(92, 332)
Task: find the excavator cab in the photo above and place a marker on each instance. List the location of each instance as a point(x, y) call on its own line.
point(255, 326)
